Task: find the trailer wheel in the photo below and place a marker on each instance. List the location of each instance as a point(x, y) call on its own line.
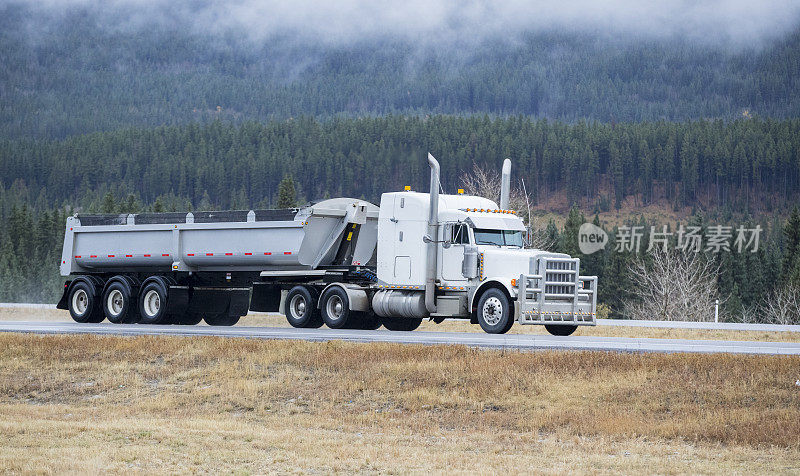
point(494, 312)
point(301, 308)
point(117, 303)
point(153, 304)
point(335, 307)
point(83, 305)
point(401, 323)
point(221, 320)
point(560, 330)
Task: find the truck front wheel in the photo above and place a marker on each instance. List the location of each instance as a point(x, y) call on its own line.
point(301, 308)
point(494, 312)
point(560, 330)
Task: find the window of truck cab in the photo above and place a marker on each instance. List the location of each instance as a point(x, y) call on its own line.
point(458, 233)
point(487, 236)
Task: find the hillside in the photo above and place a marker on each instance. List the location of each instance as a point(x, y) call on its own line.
point(75, 74)
point(747, 165)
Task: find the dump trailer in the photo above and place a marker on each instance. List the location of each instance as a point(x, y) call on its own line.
point(344, 263)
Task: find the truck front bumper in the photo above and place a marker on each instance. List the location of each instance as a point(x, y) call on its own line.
point(557, 295)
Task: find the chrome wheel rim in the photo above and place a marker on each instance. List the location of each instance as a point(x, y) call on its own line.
point(80, 302)
point(115, 302)
point(298, 306)
point(152, 303)
point(492, 311)
point(335, 307)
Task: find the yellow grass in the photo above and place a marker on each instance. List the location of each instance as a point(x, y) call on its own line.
point(171, 404)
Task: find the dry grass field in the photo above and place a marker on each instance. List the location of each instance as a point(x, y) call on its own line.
point(274, 320)
point(178, 405)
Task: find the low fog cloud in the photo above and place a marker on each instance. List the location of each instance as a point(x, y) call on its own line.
point(725, 22)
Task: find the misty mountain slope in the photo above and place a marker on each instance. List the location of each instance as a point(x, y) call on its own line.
point(74, 73)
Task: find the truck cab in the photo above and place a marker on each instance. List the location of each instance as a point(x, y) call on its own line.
point(480, 250)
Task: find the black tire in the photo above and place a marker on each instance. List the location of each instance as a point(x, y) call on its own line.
point(365, 321)
point(494, 312)
point(401, 323)
point(153, 304)
point(560, 330)
point(188, 319)
point(117, 303)
point(221, 320)
point(83, 304)
point(335, 308)
point(301, 308)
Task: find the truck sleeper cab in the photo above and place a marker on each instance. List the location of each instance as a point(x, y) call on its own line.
point(344, 263)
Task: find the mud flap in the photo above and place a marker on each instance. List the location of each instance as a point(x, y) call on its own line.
point(62, 303)
point(266, 298)
point(227, 301)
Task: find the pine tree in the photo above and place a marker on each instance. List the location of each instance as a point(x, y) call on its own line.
point(569, 238)
point(287, 194)
point(791, 255)
point(109, 204)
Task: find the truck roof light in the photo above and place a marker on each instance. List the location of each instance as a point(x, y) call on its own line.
point(408, 188)
point(461, 191)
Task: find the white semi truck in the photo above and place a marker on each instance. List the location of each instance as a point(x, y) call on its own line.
point(341, 262)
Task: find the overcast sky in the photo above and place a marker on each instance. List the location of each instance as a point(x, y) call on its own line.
point(726, 22)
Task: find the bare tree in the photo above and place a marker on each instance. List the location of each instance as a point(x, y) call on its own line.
point(486, 183)
point(673, 286)
point(782, 306)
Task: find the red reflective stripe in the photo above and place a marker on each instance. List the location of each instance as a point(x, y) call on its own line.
point(129, 256)
point(209, 254)
point(189, 254)
point(165, 254)
point(267, 253)
point(248, 254)
point(93, 256)
point(77, 256)
point(111, 256)
point(228, 254)
point(146, 256)
point(287, 252)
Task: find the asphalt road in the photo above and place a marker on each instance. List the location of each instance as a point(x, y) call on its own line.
point(508, 341)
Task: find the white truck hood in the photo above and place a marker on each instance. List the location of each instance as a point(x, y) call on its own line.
point(509, 263)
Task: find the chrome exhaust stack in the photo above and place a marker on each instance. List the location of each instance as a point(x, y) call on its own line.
point(505, 185)
point(433, 234)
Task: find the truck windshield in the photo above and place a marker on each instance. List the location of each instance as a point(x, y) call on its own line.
point(485, 236)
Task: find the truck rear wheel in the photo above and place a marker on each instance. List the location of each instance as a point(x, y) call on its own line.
point(401, 323)
point(83, 305)
point(117, 303)
point(221, 320)
point(365, 321)
point(153, 304)
point(301, 308)
point(335, 307)
point(560, 330)
point(188, 319)
point(494, 312)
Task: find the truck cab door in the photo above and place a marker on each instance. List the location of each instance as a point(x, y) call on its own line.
point(451, 251)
